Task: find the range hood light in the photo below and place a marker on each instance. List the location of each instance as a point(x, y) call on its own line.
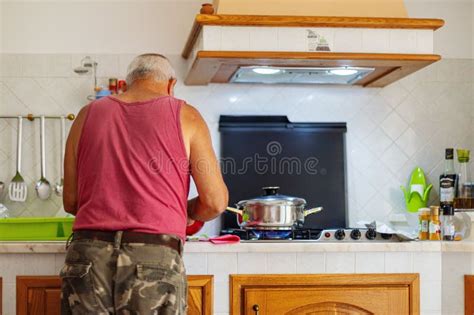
point(344, 71)
point(266, 70)
point(300, 75)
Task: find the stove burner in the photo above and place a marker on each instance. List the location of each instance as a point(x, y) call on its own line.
point(302, 234)
point(270, 235)
point(253, 234)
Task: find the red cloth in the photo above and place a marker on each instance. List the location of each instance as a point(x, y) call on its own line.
point(132, 166)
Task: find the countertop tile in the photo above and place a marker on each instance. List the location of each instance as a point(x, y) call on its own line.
point(310, 263)
point(369, 262)
point(281, 263)
point(251, 263)
point(340, 262)
point(221, 265)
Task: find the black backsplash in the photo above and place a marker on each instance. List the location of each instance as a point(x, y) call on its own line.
point(305, 160)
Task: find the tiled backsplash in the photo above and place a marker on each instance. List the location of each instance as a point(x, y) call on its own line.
point(390, 130)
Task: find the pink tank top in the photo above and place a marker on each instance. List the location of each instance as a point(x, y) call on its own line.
point(132, 167)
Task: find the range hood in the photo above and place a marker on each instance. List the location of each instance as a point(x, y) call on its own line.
point(300, 75)
point(275, 49)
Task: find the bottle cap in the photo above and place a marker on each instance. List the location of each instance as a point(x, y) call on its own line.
point(434, 210)
point(448, 210)
point(463, 155)
point(449, 154)
point(424, 211)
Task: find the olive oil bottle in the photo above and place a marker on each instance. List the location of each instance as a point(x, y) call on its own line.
point(465, 193)
point(448, 180)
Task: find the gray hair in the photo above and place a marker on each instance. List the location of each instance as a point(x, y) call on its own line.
point(154, 66)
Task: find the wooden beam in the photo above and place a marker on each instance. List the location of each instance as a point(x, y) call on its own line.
point(317, 21)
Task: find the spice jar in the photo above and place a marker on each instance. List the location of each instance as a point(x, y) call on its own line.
point(435, 224)
point(424, 219)
point(449, 230)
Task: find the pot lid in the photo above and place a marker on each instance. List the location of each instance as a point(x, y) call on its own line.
point(272, 197)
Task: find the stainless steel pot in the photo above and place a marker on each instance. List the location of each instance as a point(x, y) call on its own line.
point(272, 211)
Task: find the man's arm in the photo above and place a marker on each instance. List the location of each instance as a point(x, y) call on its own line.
point(70, 163)
point(213, 195)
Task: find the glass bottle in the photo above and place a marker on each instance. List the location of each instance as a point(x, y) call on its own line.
point(448, 180)
point(435, 224)
point(449, 230)
point(423, 220)
point(465, 193)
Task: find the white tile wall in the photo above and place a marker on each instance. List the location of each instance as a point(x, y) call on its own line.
point(252, 263)
point(340, 262)
point(428, 265)
point(309, 263)
point(455, 266)
point(398, 262)
point(281, 263)
point(390, 130)
point(369, 262)
point(440, 273)
point(359, 40)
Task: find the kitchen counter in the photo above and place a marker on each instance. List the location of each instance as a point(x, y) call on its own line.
point(441, 265)
point(269, 247)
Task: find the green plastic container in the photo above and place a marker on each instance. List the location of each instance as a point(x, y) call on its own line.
point(66, 225)
point(35, 229)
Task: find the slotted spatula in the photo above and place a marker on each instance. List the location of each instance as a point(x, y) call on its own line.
point(17, 190)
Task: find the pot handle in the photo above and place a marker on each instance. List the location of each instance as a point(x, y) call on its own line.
point(234, 210)
point(312, 211)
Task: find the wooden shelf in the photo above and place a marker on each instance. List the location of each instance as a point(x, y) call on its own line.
point(317, 21)
point(303, 21)
point(219, 66)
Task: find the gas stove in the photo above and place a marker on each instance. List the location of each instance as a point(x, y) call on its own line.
point(354, 235)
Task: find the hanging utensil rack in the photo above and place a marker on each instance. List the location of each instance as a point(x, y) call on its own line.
point(32, 117)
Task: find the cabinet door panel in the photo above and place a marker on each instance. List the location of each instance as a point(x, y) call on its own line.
point(327, 300)
point(362, 294)
point(41, 295)
point(469, 295)
point(53, 301)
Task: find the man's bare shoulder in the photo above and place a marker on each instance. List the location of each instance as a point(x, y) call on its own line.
point(191, 115)
point(77, 125)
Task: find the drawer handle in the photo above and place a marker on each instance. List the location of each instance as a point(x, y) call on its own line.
point(256, 308)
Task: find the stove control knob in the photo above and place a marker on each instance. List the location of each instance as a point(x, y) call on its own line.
point(371, 234)
point(340, 235)
point(355, 234)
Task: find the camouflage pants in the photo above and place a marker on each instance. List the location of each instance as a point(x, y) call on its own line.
point(105, 278)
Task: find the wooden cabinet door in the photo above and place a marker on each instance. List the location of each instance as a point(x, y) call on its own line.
point(40, 295)
point(469, 295)
point(325, 294)
point(200, 293)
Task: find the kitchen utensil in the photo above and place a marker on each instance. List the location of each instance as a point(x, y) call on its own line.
point(58, 188)
point(272, 211)
point(417, 194)
point(2, 188)
point(43, 188)
point(17, 190)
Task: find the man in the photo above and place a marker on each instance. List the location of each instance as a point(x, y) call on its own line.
point(127, 168)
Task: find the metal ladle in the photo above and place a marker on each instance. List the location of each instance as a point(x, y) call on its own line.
point(43, 188)
point(58, 188)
